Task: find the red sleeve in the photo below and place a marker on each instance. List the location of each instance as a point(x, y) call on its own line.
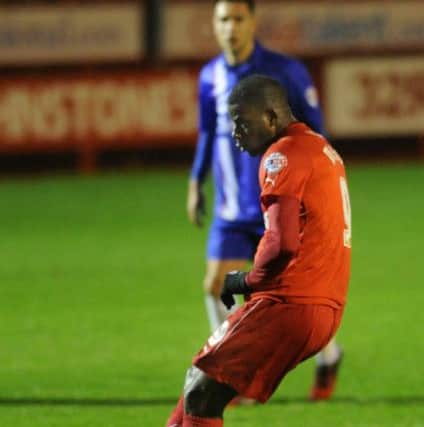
point(279, 242)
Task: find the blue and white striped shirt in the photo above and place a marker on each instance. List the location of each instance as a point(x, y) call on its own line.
point(235, 173)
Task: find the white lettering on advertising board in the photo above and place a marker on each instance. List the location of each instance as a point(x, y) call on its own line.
point(103, 109)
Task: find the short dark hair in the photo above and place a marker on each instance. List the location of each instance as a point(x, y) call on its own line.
point(250, 3)
point(261, 92)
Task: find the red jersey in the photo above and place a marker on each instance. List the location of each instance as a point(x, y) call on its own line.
point(302, 165)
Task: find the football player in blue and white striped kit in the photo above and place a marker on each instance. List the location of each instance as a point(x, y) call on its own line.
point(237, 219)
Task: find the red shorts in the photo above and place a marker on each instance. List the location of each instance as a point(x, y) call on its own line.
point(263, 340)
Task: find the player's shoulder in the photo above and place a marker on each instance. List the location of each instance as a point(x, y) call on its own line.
point(309, 148)
point(285, 61)
point(296, 149)
point(207, 72)
point(282, 153)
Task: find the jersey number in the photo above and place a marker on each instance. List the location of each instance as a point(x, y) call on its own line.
point(347, 233)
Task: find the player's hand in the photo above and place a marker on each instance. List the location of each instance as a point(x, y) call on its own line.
point(234, 284)
point(196, 206)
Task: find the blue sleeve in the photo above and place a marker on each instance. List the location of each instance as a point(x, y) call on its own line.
point(206, 128)
point(303, 97)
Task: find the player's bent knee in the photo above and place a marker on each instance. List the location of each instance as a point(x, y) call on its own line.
point(203, 396)
point(195, 393)
point(195, 402)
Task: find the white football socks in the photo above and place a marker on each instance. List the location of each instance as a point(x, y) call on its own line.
point(328, 355)
point(216, 311)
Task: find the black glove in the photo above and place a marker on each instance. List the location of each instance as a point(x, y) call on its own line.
point(234, 283)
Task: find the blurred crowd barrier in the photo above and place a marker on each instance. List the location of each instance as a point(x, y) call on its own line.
point(90, 75)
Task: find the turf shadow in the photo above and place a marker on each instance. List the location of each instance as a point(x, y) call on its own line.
point(165, 401)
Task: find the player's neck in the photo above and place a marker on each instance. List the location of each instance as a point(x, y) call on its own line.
point(236, 58)
point(285, 126)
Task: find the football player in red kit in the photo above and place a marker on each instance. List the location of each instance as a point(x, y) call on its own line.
point(296, 290)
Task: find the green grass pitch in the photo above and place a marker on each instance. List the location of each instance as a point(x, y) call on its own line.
point(102, 308)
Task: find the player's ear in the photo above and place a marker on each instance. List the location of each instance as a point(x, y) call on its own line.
point(271, 119)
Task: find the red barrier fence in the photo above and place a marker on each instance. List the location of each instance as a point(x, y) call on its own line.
point(88, 113)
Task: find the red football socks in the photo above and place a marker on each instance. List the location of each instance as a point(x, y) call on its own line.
point(191, 421)
point(176, 418)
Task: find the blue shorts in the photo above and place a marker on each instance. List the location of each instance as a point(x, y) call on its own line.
point(229, 240)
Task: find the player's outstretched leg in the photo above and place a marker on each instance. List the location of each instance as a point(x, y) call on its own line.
point(328, 364)
point(204, 399)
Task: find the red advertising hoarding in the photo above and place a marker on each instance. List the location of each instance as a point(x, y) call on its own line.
point(93, 112)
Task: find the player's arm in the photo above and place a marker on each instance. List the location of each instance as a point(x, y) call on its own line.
point(277, 247)
point(303, 97)
point(203, 153)
point(279, 243)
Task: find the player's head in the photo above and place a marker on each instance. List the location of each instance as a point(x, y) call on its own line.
point(260, 113)
point(234, 25)
point(251, 4)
